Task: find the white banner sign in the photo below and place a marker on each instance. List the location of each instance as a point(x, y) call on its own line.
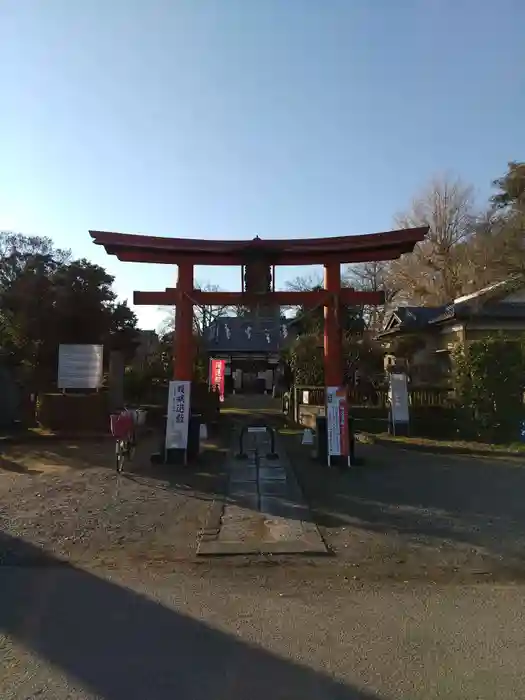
point(337, 421)
point(80, 366)
point(178, 415)
point(398, 395)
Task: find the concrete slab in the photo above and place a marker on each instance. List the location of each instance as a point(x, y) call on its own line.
point(222, 548)
point(273, 488)
point(240, 524)
point(245, 532)
point(243, 488)
point(284, 508)
point(264, 510)
point(249, 501)
point(243, 474)
point(277, 473)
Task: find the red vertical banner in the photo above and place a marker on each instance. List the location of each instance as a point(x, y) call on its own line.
point(217, 376)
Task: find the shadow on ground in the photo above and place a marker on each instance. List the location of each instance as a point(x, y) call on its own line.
point(123, 646)
point(456, 499)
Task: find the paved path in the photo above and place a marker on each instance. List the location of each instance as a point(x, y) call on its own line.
point(264, 511)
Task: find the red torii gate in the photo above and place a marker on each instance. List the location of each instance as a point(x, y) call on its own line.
point(330, 252)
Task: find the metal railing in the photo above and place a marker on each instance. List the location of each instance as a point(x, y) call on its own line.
point(369, 396)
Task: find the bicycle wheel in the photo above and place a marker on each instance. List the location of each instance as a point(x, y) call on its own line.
point(119, 456)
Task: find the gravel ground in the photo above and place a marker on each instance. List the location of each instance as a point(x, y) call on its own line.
point(67, 498)
point(411, 515)
point(403, 515)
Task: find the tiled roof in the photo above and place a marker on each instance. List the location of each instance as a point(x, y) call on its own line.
point(412, 317)
point(447, 313)
point(418, 316)
point(496, 310)
point(484, 303)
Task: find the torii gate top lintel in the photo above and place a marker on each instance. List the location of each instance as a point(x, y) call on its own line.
point(305, 251)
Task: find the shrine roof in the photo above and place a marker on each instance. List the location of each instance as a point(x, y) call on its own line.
point(387, 245)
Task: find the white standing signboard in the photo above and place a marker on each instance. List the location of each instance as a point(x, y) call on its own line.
point(178, 415)
point(80, 366)
point(398, 396)
point(337, 423)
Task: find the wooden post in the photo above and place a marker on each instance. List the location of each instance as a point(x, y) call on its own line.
point(183, 345)
point(116, 380)
point(333, 351)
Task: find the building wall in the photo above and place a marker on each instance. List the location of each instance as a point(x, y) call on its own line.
point(431, 364)
point(450, 336)
point(434, 361)
point(250, 365)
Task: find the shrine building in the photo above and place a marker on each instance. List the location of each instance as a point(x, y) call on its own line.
point(251, 346)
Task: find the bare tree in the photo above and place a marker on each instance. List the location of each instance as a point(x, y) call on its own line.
point(435, 272)
point(305, 283)
point(498, 246)
point(203, 316)
point(302, 283)
point(371, 277)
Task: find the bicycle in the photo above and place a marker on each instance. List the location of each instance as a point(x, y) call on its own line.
point(123, 430)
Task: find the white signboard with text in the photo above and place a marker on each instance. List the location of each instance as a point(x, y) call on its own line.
point(337, 422)
point(80, 366)
point(178, 415)
point(398, 396)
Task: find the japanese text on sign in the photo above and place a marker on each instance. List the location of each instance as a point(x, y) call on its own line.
point(178, 415)
point(179, 403)
point(217, 376)
point(337, 421)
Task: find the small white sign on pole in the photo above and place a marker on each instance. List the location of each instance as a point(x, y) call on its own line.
point(398, 396)
point(80, 366)
point(178, 420)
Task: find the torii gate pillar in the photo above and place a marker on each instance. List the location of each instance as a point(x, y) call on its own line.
point(183, 342)
point(333, 350)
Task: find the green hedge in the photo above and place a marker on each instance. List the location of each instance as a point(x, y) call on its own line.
point(489, 379)
point(437, 422)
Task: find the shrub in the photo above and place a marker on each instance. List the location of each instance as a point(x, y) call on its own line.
point(438, 422)
point(489, 382)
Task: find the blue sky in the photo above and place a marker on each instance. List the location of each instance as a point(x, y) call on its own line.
point(235, 118)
